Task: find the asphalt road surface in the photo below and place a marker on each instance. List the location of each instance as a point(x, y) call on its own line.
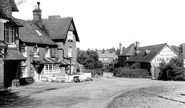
point(98, 93)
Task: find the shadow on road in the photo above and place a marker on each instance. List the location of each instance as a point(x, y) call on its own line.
point(9, 99)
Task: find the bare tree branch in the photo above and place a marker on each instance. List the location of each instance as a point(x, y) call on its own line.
point(19, 2)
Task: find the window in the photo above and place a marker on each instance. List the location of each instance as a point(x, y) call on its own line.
point(52, 68)
point(53, 52)
point(47, 53)
point(46, 69)
point(70, 51)
point(24, 51)
point(36, 51)
point(9, 34)
point(70, 36)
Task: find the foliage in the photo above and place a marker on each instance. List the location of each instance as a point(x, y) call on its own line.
point(95, 72)
point(19, 2)
point(135, 66)
point(89, 59)
point(173, 70)
point(131, 73)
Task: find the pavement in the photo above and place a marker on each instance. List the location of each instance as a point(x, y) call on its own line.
point(98, 93)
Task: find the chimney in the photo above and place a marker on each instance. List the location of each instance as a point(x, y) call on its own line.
point(37, 13)
point(120, 48)
point(137, 45)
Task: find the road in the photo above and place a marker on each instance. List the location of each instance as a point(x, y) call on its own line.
point(93, 94)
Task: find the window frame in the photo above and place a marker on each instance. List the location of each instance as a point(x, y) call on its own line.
point(9, 34)
point(51, 68)
point(25, 51)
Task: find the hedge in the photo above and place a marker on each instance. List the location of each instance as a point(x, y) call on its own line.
point(131, 73)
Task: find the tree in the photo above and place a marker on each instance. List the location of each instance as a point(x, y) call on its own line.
point(89, 59)
point(118, 52)
point(174, 70)
point(103, 50)
point(19, 2)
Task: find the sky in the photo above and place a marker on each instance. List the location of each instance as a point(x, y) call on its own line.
point(105, 23)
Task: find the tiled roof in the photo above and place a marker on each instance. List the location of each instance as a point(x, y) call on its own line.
point(106, 55)
point(30, 34)
point(129, 50)
point(142, 56)
point(4, 4)
point(58, 27)
point(7, 16)
point(14, 54)
point(14, 7)
point(108, 61)
point(47, 61)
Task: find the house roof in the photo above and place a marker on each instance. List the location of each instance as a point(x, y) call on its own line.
point(31, 33)
point(5, 5)
point(141, 56)
point(106, 55)
point(129, 50)
point(58, 27)
point(14, 6)
point(14, 54)
point(108, 61)
point(7, 16)
point(47, 61)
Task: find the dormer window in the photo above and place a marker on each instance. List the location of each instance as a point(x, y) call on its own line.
point(36, 51)
point(24, 51)
point(9, 34)
point(47, 53)
point(70, 36)
point(147, 52)
point(39, 33)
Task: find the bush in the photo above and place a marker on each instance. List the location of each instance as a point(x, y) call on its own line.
point(173, 70)
point(131, 73)
point(135, 66)
point(95, 72)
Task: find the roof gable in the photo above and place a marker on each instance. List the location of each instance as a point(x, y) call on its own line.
point(129, 50)
point(31, 33)
point(58, 27)
point(141, 56)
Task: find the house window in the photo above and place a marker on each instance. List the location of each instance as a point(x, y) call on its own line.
point(53, 52)
point(52, 68)
point(70, 51)
point(47, 54)
point(9, 33)
point(36, 51)
point(24, 51)
point(70, 36)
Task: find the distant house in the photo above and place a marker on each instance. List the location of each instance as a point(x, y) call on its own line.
point(49, 46)
point(150, 57)
point(107, 57)
point(10, 56)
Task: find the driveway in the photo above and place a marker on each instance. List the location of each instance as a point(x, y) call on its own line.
point(93, 94)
